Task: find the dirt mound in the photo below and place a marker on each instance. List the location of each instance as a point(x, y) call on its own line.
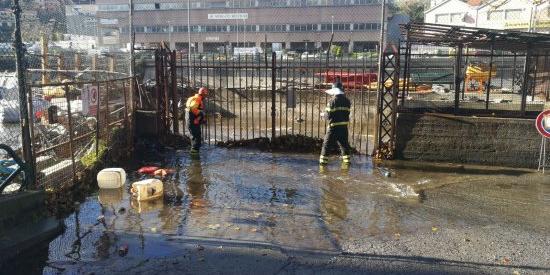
point(286, 143)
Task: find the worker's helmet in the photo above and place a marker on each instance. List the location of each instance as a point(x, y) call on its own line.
point(203, 91)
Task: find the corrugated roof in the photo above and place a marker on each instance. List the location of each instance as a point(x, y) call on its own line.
point(446, 35)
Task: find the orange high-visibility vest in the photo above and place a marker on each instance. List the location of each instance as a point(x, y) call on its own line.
point(194, 104)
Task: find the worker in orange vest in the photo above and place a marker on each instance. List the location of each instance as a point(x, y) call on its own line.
point(196, 117)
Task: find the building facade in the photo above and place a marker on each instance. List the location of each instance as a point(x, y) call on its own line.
point(300, 25)
point(520, 15)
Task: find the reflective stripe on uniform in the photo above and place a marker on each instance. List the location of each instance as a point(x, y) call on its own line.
point(328, 109)
point(346, 158)
point(323, 160)
point(339, 123)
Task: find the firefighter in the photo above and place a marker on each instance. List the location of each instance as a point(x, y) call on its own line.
point(337, 114)
point(196, 117)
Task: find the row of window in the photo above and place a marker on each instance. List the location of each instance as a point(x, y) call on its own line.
point(234, 4)
point(508, 14)
point(260, 28)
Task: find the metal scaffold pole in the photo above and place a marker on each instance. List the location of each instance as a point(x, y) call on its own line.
point(380, 78)
point(23, 100)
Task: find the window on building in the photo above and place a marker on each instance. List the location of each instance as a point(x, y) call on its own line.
point(217, 5)
point(366, 2)
point(156, 29)
point(144, 7)
point(272, 3)
point(495, 15)
point(366, 26)
point(196, 5)
point(341, 2)
point(336, 26)
point(297, 3)
point(272, 28)
point(139, 29)
point(173, 6)
point(214, 28)
point(442, 18)
point(456, 17)
point(513, 14)
point(113, 7)
point(303, 27)
point(240, 3)
point(179, 28)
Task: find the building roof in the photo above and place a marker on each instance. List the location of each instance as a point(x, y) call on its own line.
point(446, 35)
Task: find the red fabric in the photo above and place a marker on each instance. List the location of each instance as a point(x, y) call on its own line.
point(148, 169)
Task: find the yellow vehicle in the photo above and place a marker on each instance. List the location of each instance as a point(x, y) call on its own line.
point(477, 76)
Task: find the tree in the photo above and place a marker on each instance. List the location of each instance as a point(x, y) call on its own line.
point(413, 8)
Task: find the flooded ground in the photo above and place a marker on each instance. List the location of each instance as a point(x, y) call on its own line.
point(273, 205)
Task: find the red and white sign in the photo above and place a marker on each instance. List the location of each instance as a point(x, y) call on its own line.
point(90, 99)
point(543, 123)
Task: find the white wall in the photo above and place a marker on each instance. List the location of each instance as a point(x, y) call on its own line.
point(451, 13)
point(515, 15)
point(499, 14)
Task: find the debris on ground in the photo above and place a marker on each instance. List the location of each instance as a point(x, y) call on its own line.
point(286, 143)
point(123, 250)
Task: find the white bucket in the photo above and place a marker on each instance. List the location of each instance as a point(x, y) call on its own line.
point(149, 189)
point(110, 178)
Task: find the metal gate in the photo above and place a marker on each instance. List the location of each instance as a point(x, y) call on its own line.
point(269, 95)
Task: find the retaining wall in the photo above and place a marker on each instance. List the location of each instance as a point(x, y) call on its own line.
point(476, 140)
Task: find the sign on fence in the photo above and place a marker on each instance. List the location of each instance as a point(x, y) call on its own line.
point(90, 97)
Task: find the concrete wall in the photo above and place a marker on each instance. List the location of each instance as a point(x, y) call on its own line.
point(488, 141)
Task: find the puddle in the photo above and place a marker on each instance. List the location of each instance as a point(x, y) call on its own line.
point(285, 200)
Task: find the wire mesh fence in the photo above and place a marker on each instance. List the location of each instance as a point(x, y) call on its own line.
point(75, 123)
point(494, 83)
point(61, 56)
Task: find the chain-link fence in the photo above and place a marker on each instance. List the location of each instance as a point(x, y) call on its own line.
point(64, 53)
point(76, 125)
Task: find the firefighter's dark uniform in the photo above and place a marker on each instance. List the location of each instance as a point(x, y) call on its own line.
point(195, 117)
point(337, 113)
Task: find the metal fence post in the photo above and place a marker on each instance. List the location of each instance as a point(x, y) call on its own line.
point(490, 74)
point(60, 66)
point(23, 100)
point(525, 83)
point(458, 76)
point(273, 84)
point(71, 138)
point(44, 58)
point(174, 96)
point(97, 130)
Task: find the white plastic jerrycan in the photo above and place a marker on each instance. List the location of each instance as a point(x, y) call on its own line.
point(110, 178)
point(146, 190)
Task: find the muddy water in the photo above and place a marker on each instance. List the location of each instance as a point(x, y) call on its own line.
point(284, 199)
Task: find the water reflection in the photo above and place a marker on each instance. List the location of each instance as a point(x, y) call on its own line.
point(196, 186)
point(333, 204)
